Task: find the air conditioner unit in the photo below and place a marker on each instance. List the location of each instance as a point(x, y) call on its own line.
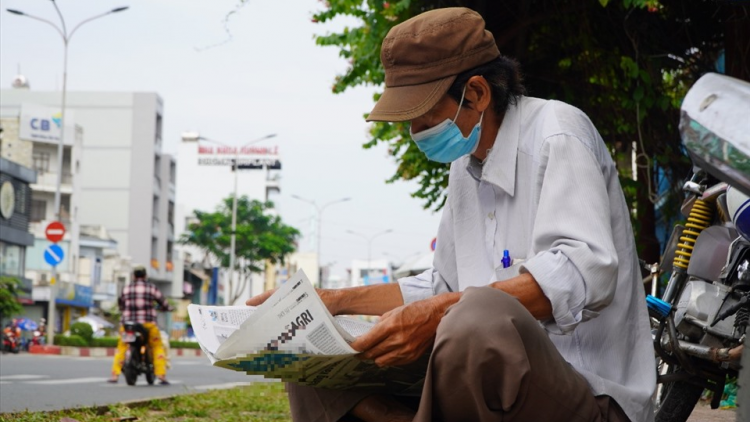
point(43, 279)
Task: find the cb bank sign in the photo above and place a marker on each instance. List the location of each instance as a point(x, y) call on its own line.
point(44, 124)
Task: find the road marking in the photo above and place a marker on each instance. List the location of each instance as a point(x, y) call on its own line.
point(69, 381)
point(222, 386)
point(21, 377)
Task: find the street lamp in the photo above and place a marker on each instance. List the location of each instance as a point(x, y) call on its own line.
point(319, 214)
point(192, 136)
point(66, 36)
point(369, 245)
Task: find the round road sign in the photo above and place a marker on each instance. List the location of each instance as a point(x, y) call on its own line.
point(55, 231)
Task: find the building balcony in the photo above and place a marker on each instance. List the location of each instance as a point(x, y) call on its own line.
point(37, 228)
point(47, 182)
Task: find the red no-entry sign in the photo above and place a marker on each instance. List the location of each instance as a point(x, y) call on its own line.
point(55, 231)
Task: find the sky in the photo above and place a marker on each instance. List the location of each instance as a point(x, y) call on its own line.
point(265, 76)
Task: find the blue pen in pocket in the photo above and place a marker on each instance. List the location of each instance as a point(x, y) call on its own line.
point(506, 259)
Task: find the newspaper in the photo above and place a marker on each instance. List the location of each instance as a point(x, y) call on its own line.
point(293, 337)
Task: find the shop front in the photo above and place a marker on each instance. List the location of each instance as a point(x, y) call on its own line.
point(73, 301)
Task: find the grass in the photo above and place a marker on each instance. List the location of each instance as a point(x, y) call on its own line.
point(259, 402)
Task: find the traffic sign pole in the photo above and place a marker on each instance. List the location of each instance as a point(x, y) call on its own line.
point(51, 323)
point(54, 232)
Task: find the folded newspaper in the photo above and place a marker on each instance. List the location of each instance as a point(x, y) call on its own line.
point(293, 337)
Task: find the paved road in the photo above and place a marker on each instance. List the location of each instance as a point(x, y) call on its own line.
point(49, 382)
point(45, 382)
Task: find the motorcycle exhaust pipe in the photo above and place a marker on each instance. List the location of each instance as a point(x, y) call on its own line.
point(713, 354)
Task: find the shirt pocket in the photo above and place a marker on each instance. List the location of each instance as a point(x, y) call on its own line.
point(502, 274)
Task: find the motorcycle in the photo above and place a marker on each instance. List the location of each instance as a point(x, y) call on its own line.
point(37, 339)
point(139, 356)
point(11, 340)
point(700, 321)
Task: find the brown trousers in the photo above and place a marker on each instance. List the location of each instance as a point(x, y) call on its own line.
point(491, 362)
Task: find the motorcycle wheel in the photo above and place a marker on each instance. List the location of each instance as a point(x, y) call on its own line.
point(131, 374)
point(675, 401)
point(150, 377)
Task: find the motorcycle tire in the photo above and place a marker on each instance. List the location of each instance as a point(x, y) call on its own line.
point(131, 375)
point(679, 400)
point(150, 377)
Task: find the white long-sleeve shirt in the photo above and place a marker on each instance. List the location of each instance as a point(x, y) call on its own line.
point(549, 193)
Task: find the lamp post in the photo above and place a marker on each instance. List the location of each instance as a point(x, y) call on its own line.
point(192, 136)
point(66, 36)
point(369, 244)
point(319, 215)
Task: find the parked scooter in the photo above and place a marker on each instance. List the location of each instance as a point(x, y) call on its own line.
point(700, 322)
point(11, 339)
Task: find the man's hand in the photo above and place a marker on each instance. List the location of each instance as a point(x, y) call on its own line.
point(331, 298)
point(258, 300)
point(405, 333)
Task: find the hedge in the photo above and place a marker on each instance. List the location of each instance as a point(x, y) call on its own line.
point(176, 344)
point(78, 341)
point(104, 341)
point(82, 329)
point(73, 340)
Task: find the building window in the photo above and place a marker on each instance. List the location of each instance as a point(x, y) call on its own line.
point(38, 210)
point(11, 260)
point(41, 162)
point(22, 194)
point(155, 208)
point(154, 249)
point(158, 129)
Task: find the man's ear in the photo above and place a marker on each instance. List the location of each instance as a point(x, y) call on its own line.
point(478, 93)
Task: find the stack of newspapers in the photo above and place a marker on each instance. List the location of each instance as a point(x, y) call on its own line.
point(293, 337)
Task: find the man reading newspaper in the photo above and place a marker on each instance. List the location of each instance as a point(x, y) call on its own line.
point(534, 310)
point(293, 337)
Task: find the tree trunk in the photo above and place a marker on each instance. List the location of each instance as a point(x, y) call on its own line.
point(646, 240)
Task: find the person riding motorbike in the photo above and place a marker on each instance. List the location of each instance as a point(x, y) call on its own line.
point(137, 304)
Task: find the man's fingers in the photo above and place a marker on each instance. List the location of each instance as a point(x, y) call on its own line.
point(366, 341)
point(378, 350)
point(259, 299)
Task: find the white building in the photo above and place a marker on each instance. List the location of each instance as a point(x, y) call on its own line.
point(31, 138)
point(206, 178)
point(126, 185)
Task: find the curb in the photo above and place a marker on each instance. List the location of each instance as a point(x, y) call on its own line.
point(100, 351)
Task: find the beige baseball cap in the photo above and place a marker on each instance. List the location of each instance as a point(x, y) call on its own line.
point(422, 57)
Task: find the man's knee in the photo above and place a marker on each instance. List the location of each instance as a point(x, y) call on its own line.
point(483, 311)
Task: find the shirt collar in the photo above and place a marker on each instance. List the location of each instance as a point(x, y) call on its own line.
point(499, 168)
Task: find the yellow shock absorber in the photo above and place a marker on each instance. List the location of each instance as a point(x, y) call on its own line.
point(700, 217)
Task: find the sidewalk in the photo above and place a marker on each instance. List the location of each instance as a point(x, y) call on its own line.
point(704, 413)
point(101, 351)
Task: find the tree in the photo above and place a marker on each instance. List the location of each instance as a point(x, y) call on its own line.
point(626, 63)
point(260, 236)
point(9, 289)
